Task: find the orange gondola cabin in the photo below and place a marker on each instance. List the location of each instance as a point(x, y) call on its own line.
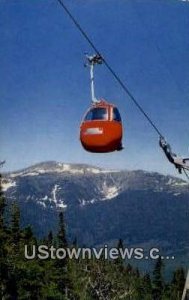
point(101, 129)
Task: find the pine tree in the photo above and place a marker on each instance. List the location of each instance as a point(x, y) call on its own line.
point(157, 282)
point(2, 209)
point(50, 239)
point(177, 284)
point(120, 244)
point(63, 279)
point(28, 234)
point(15, 227)
point(14, 248)
point(62, 242)
point(129, 269)
point(147, 284)
point(3, 239)
point(119, 260)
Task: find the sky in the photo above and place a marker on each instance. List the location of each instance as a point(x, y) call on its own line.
point(45, 91)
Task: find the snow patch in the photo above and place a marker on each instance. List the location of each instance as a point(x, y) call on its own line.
point(170, 181)
point(41, 171)
point(176, 194)
point(7, 185)
point(62, 205)
point(16, 174)
point(84, 202)
point(174, 182)
point(180, 183)
point(109, 192)
point(93, 170)
point(54, 191)
point(66, 167)
point(42, 203)
point(59, 202)
point(30, 174)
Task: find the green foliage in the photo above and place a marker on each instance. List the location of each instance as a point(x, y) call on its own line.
point(158, 284)
point(61, 232)
point(77, 279)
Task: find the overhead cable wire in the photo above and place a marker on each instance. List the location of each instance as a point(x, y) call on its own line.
point(118, 79)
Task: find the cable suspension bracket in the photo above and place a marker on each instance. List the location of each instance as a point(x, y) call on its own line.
point(93, 60)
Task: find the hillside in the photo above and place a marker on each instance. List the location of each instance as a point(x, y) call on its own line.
point(143, 208)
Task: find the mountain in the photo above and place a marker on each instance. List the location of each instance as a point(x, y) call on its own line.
point(143, 208)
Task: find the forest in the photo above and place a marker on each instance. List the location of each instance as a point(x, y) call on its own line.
point(83, 279)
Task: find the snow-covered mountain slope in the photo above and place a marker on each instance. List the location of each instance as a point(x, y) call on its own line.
point(101, 206)
point(57, 167)
point(60, 185)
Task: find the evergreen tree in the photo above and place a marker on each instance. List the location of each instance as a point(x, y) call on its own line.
point(120, 244)
point(62, 265)
point(15, 227)
point(129, 269)
point(62, 242)
point(3, 240)
point(14, 252)
point(157, 282)
point(27, 234)
point(119, 260)
point(147, 284)
point(50, 239)
point(2, 209)
point(177, 284)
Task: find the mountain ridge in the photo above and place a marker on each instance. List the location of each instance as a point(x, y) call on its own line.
point(101, 206)
point(106, 184)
